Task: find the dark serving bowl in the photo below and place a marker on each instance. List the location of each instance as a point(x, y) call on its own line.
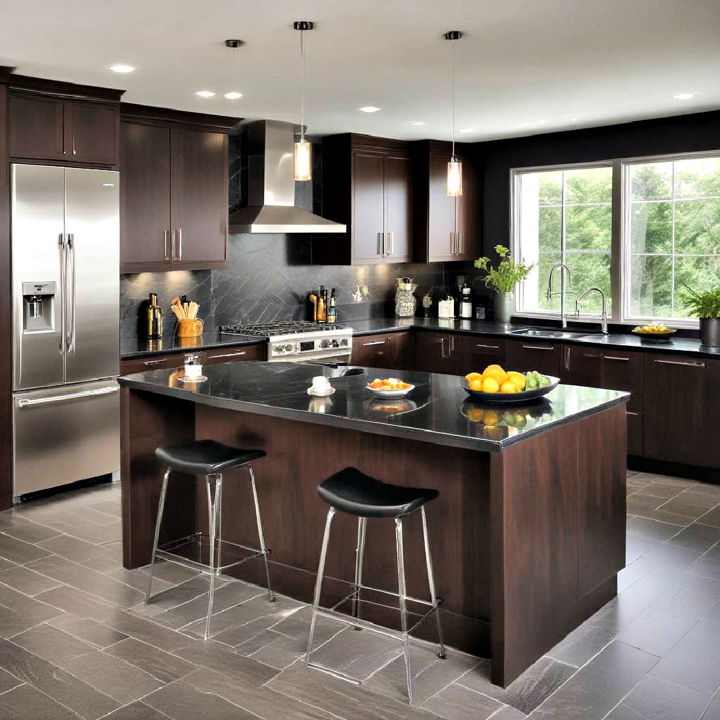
point(655, 337)
point(510, 398)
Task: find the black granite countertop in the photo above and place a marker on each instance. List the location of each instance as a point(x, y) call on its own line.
point(436, 410)
point(492, 329)
point(212, 338)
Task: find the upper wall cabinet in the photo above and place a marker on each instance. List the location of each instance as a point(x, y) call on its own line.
point(366, 184)
point(69, 131)
point(174, 190)
point(444, 228)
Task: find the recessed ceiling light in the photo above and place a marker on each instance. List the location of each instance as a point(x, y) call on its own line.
point(466, 130)
point(205, 93)
point(369, 108)
point(121, 68)
point(684, 96)
point(233, 95)
point(574, 120)
point(417, 123)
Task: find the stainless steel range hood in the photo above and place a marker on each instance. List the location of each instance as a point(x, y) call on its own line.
point(271, 186)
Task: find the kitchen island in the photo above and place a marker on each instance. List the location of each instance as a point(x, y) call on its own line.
point(528, 532)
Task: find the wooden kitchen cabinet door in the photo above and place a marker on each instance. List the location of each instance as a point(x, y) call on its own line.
point(144, 195)
point(368, 205)
point(680, 418)
point(199, 192)
point(476, 352)
point(36, 128)
point(525, 356)
point(398, 207)
point(91, 133)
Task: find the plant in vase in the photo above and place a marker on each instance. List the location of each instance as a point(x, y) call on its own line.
point(706, 307)
point(502, 279)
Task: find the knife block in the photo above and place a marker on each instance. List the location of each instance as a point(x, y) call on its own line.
point(189, 328)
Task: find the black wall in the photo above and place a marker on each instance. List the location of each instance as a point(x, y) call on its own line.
point(679, 134)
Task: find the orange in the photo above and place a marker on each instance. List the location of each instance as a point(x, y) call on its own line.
point(508, 387)
point(476, 385)
point(493, 367)
point(518, 378)
point(473, 376)
point(490, 385)
point(499, 375)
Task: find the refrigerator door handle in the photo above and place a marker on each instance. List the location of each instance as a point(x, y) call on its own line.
point(63, 275)
point(25, 402)
point(73, 294)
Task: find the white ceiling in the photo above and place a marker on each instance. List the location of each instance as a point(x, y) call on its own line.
point(524, 66)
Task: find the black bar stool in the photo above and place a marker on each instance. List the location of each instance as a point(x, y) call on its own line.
point(208, 458)
point(355, 493)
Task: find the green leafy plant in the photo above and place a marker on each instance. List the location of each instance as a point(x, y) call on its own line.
point(507, 274)
point(702, 305)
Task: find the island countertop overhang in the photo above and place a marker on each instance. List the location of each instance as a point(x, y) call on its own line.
point(436, 411)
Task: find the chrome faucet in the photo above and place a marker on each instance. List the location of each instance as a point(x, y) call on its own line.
point(603, 316)
point(563, 269)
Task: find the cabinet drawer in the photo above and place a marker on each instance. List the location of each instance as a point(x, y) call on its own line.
point(372, 351)
point(152, 362)
point(543, 357)
point(634, 432)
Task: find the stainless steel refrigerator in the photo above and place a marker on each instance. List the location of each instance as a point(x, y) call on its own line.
point(66, 355)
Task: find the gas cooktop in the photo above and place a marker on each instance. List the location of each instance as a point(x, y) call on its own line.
point(280, 327)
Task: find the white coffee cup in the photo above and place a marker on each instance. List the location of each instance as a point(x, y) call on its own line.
point(320, 384)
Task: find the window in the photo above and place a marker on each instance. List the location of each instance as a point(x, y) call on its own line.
point(564, 215)
point(671, 234)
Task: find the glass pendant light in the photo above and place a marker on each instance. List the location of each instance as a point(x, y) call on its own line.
point(454, 168)
point(303, 148)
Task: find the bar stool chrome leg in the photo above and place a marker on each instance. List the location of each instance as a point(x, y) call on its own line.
point(402, 597)
point(359, 556)
point(158, 523)
point(431, 582)
point(214, 511)
point(261, 536)
point(318, 583)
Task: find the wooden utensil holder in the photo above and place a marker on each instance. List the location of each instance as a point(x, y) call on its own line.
point(189, 327)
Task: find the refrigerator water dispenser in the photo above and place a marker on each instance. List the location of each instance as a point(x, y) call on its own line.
point(38, 307)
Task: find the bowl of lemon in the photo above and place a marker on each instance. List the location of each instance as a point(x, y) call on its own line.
point(496, 385)
point(657, 332)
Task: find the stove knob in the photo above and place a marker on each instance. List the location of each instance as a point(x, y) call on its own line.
point(335, 343)
point(324, 343)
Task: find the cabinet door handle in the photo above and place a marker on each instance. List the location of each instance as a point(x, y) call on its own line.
point(488, 347)
point(592, 356)
point(442, 348)
point(381, 244)
point(374, 342)
point(630, 412)
point(390, 249)
point(539, 347)
point(179, 243)
point(460, 243)
point(616, 357)
point(73, 143)
point(453, 242)
point(227, 355)
point(684, 363)
point(166, 237)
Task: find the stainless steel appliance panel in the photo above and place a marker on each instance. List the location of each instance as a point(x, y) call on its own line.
point(64, 434)
point(38, 202)
point(92, 227)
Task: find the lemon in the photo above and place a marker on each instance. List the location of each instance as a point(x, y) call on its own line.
point(490, 385)
point(477, 384)
point(475, 414)
point(473, 376)
point(490, 368)
point(508, 387)
point(518, 379)
point(492, 417)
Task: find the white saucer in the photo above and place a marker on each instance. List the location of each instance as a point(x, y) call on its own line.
point(315, 393)
point(200, 378)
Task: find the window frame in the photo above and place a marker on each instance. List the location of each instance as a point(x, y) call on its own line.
point(620, 246)
point(515, 177)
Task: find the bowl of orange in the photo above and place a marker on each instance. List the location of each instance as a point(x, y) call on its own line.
point(389, 387)
point(497, 385)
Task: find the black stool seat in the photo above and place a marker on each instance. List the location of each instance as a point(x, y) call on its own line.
point(205, 457)
point(359, 494)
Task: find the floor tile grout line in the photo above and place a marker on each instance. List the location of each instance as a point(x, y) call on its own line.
point(55, 700)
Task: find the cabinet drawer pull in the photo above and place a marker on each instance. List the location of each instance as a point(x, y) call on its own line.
point(685, 363)
point(374, 342)
point(616, 357)
point(630, 412)
point(539, 347)
point(155, 362)
point(166, 235)
point(489, 347)
point(224, 355)
point(179, 245)
point(590, 356)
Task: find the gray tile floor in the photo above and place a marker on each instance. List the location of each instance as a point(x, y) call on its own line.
point(76, 640)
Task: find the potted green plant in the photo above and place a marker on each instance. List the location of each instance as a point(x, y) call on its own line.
point(706, 307)
point(502, 279)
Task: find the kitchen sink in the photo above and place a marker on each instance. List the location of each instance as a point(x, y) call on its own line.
point(548, 333)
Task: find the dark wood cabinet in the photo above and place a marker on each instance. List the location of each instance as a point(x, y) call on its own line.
point(367, 185)
point(439, 352)
point(389, 350)
point(476, 352)
point(173, 198)
point(680, 418)
point(73, 131)
point(544, 357)
point(209, 357)
point(444, 228)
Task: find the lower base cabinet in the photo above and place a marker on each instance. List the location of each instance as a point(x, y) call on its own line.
point(544, 357)
point(387, 350)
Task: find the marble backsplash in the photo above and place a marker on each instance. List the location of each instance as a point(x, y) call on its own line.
point(269, 277)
